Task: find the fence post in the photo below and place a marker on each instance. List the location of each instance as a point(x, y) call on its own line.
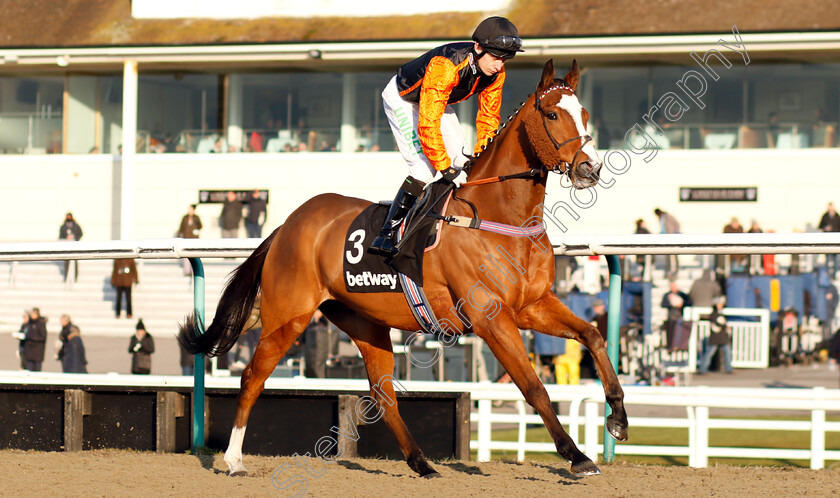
point(613, 322)
point(590, 429)
point(701, 460)
point(198, 373)
point(818, 433)
point(484, 411)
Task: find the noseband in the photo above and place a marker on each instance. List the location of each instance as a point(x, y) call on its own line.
point(562, 166)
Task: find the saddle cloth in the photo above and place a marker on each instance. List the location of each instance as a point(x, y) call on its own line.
point(366, 273)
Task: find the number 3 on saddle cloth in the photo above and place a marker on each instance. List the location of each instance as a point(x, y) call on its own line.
point(365, 272)
point(420, 232)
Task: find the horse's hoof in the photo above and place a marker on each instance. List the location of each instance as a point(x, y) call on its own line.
point(235, 468)
point(587, 468)
point(432, 475)
point(617, 429)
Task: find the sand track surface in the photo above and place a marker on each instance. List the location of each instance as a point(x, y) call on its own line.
point(129, 473)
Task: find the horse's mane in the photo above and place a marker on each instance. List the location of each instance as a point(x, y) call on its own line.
point(537, 137)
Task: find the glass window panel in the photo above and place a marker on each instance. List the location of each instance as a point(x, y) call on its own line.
point(291, 111)
point(31, 115)
point(179, 113)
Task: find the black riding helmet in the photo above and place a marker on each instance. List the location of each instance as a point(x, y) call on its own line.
point(498, 36)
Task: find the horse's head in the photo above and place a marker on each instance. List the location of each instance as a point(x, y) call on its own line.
point(557, 130)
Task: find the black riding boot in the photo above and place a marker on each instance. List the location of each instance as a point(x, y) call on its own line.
point(385, 243)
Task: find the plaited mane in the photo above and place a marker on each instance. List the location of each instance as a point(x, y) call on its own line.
point(540, 142)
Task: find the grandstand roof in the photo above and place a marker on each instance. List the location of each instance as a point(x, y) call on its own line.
point(84, 23)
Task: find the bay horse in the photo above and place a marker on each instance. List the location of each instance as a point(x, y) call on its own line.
point(298, 269)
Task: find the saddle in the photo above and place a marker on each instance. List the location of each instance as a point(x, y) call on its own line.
point(419, 233)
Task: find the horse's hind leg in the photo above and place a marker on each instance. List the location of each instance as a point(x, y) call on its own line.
point(502, 336)
point(550, 316)
point(270, 349)
point(375, 345)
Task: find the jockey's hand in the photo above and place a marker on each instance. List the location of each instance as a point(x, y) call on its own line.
point(450, 173)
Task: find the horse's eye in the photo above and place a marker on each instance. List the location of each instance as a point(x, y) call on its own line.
point(552, 115)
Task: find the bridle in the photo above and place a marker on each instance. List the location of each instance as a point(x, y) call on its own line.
point(563, 166)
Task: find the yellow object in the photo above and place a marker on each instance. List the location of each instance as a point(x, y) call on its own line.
point(775, 295)
point(567, 365)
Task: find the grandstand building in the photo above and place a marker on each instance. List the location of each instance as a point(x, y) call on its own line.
point(125, 112)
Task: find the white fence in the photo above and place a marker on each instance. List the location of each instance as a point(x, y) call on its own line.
point(696, 401)
point(750, 341)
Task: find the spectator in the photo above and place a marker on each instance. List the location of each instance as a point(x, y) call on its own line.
point(246, 344)
point(123, 276)
point(72, 351)
point(736, 261)
point(189, 229)
point(834, 347)
point(231, 216)
point(641, 228)
point(756, 260)
point(317, 346)
point(567, 365)
point(830, 222)
point(141, 348)
point(719, 338)
point(70, 230)
point(704, 290)
point(187, 361)
point(190, 224)
point(255, 142)
point(34, 344)
point(669, 224)
point(674, 301)
point(20, 335)
point(255, 219)
point(773, 130)
point(597, 315)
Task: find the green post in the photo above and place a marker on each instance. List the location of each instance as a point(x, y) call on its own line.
point(613, 322)
point(198, 388)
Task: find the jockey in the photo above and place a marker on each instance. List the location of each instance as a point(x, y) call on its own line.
point(417, 103)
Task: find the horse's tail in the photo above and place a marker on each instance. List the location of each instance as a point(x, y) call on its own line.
point(234, 308)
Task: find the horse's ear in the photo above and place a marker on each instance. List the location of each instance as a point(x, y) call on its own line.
point(574, 75)
point(547, 76)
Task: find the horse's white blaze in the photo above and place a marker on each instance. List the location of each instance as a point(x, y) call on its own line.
point(571, 104)
point(233, 455)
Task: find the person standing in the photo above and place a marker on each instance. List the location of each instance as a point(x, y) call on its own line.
point(316, 346)
point(255, 219)
point(20, 335)
point(35, 341)
point(231, 216)
point(669, 224)
point(830, 222)
point(187, 361)
point(674, 301)
point(418, 101)
point(189, 229)
point(641, 229)
point(70, 230)
point(123, 276)
point(72, 352)
point(736, 261)
point(190, 224)
point(141, 348)
point(719, 339)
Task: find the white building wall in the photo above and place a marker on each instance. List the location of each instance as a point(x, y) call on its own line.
point(793, 189)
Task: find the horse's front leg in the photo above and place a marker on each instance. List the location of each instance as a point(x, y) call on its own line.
point(502, 336)
point(550, 316)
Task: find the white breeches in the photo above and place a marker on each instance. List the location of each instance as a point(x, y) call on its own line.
point(403, 116)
